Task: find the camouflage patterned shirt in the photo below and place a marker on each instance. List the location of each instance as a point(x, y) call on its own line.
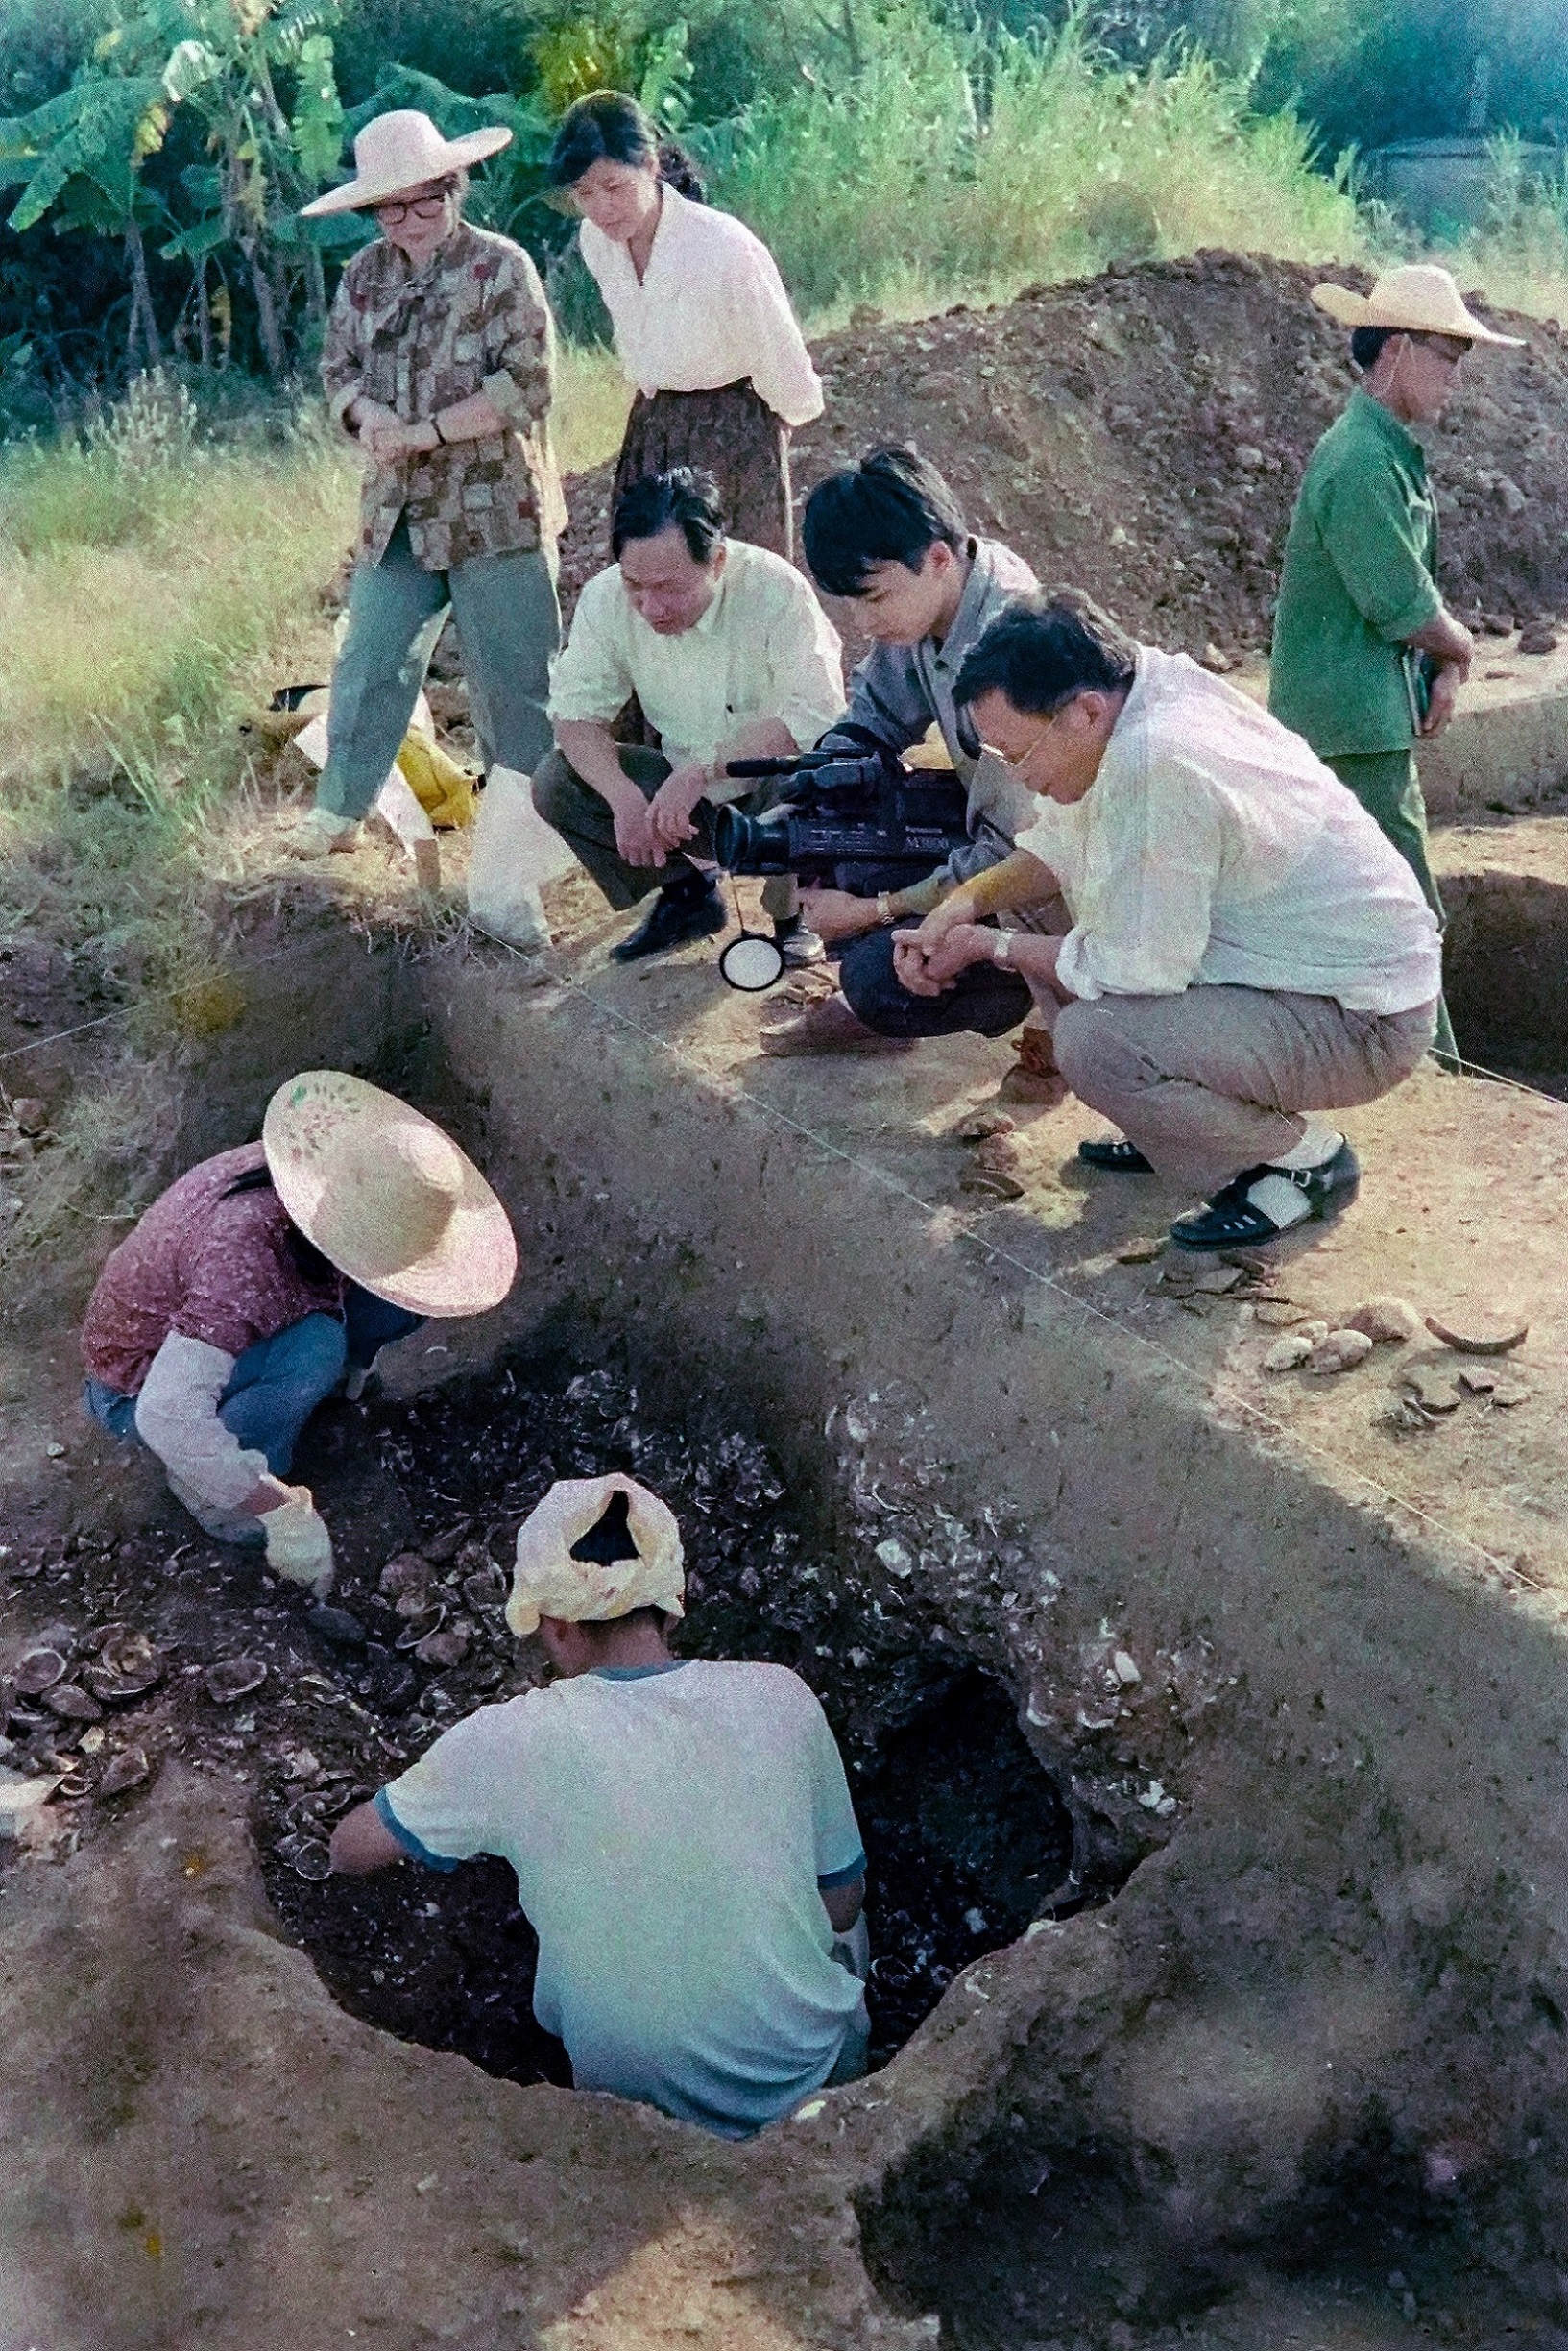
point(475, 318)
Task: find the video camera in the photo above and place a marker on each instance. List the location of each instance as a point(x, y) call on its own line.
point(860, 819)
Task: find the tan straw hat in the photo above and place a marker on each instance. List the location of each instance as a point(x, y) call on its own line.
point(387, 1197)
point(401, 151)
point(1419, 299)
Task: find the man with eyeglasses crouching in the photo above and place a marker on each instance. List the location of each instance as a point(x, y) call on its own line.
point(1243, 952)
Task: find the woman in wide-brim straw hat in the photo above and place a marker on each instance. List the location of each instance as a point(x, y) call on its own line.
point(704, 327)
point(440, 362)
point(266, 1279)
point(1367, 658)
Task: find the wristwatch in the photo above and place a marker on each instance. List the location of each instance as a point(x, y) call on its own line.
point(1002, 947)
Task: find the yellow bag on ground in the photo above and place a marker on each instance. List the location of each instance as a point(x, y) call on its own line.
point(443, 788)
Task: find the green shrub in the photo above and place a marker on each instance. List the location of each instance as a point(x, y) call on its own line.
point(953, 164)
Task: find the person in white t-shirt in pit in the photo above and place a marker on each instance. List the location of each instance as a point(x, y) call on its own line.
point(730, 657)
point(1244, 952)
point(681, 1833)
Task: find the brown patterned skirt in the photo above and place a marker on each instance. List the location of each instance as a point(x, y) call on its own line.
point(735, 435)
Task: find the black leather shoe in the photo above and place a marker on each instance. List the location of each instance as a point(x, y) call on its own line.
point(1232, 1221)
point(1116, 1155)
point(674, 916)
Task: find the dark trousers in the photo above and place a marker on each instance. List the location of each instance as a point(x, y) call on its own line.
point(985, 1000)
point(277, 1383)
point(583, 819)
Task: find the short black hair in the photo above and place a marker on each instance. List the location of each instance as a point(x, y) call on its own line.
point(1043, 650)
point(1367, 344)
point(609, 1539)
point(609, 126)
point(686, 499)
point(893, 507)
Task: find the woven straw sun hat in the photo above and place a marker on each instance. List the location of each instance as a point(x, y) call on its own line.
point(401, 151)
point(1418, 299)
point(387, 1195)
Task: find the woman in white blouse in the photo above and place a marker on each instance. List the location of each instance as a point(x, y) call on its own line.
point(703, 325)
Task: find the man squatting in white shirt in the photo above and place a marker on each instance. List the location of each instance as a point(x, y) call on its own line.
point(730, 657)
point(1241, 950)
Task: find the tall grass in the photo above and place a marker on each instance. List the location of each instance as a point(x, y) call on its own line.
point(956, 165)
point(147, 576)
point(1520, 252)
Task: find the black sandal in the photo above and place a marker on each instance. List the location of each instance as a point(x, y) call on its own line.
point(1115, 1155)
point(1231, 1220)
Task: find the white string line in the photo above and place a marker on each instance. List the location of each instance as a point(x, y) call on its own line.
point(1220, 1386)
point(149, 995)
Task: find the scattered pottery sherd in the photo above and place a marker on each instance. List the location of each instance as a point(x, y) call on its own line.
point(72, 1705)
point(1144, 1250)
point(1280, 1313)
point(409, 1571)
point(1286, 1353)
point(415, 1603)
point(1478, 1333)
point(233, 1678)
point(429, 1619)
point(1509, 1393)
point(484, 1592)
point(336, 1626)
point(127, 1667)
point(1433, 1390)
point(1478, 1383)
point(448, 1647)
point(982, 1124)
point(990, 1184)
point(1218, 1281)
point(39, 1671)
point(308, 1857)
point(129, 1769)
point(1340, 1352)
point(1384, 1321)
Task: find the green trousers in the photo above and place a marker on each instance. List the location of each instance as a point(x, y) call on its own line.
point(510, 623)
point(1388, 788)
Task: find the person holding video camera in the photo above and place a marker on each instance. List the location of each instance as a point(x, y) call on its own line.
point(730, 656)
point(890, 534)
point(1245, 952)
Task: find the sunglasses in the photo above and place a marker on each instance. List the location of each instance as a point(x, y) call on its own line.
point(425, 208)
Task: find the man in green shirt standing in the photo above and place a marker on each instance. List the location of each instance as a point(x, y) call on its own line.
point(1367, 657)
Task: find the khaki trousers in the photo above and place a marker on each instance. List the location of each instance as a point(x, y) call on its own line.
point(1206, 1083)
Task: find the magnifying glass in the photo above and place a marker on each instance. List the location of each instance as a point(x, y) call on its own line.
point(752, 964)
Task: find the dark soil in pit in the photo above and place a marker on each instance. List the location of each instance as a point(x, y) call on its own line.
point(1070, 2251)
point(967, 1837)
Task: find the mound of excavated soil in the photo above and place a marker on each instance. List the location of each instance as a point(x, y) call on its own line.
point(1142, 435)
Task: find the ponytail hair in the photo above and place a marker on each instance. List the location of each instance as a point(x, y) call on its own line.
point(607, 126)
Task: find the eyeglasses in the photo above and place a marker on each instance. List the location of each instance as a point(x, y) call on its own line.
point(1016, 766)
point(425, 208)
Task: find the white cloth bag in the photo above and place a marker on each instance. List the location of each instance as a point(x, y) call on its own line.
point(503, 863)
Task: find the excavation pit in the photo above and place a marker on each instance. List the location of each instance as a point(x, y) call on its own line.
point(967, 1838)
point(1296, 1676)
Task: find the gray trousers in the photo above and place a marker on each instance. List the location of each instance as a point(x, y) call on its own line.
point(583, 819)
point(1205, 1082)
point(509, 621)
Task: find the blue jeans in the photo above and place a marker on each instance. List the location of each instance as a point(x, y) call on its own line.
point(985, 1000)
point(277, 1384)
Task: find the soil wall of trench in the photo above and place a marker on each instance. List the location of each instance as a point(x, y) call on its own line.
point(1317, 1767)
